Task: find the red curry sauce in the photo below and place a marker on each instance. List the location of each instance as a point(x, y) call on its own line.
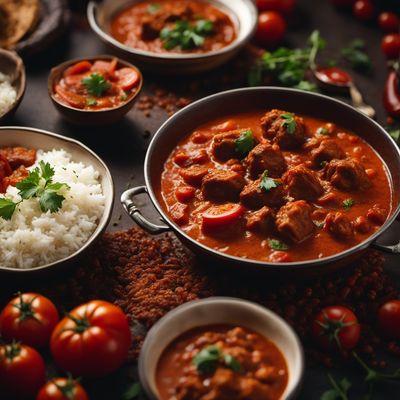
point(140, 26)
point(255, 368)
point(332, 191)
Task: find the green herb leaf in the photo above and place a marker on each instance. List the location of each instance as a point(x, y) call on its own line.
point(307, 86)
point(244, 143)
point(50, 201)
point(46, 170)
point(96, 84)
point(289, 123)
point(204, 27)
point(357, 57)
point(153, 8)
point(348, 203)
point(91, 102)
point(206, 360)
point(394, 133)
point(268, 183)
point(276, 244)
point(339, 391)
point(232, 363)
point(323, 164)
point(133, 392)
point(322, 131)
point(7, 208)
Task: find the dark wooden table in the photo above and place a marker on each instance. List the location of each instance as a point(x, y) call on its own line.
point(123, 145)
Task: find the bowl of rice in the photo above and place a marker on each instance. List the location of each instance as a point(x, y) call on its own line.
point(59, 207)
point(12, 83)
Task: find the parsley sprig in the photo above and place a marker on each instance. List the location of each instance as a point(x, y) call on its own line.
point(186, 35)
point(276, 244)
point(96, 84)
point(289, 122)
point(348, 203)
point(356, 56)
point(38, 184)
point(268, 183)
point(244, 143)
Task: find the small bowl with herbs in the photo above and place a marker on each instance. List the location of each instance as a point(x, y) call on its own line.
point(94, 91)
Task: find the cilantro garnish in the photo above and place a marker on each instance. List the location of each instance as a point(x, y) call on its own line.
point(357, 57)
point(38, 184)
point(268, 183)
point(91, 102)
point(322, 131)
point(307, 86)
point(276, 244)
point(289, 123)
point(153, 8)
point(96, 84)
point(348, 203)
point(244, 143)
point(207, 360)
point(186, 35)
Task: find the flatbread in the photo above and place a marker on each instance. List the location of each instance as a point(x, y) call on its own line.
point(17, 18)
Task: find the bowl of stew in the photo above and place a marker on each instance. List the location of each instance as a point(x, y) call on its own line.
point(272, 178)
point(221, 347)
point(95, 90)
point(174, 36)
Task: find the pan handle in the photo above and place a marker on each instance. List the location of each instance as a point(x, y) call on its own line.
point(391, 249)
point(134, 212)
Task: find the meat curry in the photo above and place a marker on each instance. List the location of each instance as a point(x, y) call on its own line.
point(276, 187)
point(221, 362)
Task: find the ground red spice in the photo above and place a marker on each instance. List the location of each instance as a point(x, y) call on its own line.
point(149, 276)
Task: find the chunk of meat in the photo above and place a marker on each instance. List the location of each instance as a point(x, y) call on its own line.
point(17, 176)
point(180, 213)
point(377, 215)
point(261, 221)
point(224, 145)
point(18, 156)
point(151, 27)
point(339, 225)
point(275, 128)
point(347, 175)
point(219, 185)
point(266, 157)
point(254, 196)
point(194, 175)
point(328, 150)
point(294, 221)
point(302, 183)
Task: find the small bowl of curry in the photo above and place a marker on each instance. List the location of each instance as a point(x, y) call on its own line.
point(174, 36)
point(221, 348)
point(95, 90)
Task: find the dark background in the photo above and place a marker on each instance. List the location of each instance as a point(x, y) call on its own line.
point(122, 146)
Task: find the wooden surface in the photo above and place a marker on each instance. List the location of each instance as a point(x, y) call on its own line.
point(122, 146)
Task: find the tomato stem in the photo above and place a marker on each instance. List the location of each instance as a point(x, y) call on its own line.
point(25, 308)
point(12, 350)
point(67, 389)
point(81, 325)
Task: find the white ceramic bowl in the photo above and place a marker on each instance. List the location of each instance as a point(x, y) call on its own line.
point(221, 310)
point(243, 13)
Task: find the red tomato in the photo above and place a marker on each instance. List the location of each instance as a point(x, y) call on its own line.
point(29, 318)
point(78, 68)
point(282, 6)
point(92, 340)
point(343, 3)
point(221, 215)
point(336, 326)
point(22, 372)
point(62, 389)
point(391, 45)
point(389, 318)
point(389, 22)
point(74, 100)
point(128, 78)
point(363, 10)
point(271, 28)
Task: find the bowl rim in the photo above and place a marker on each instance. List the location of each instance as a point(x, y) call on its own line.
point(64, 65)
point(237, 43)
point(251, 262)
point(107, 210)
point(252, 307)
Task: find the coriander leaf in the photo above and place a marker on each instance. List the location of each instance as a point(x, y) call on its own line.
point(27, 188)
point(348, 203)
point(276, 244)
point(322, 131)
point(7, 208)
point(244, 143)
point(307, 86)
point(96, 84)
point(133, 392)
point(207, 359)
point(50, 201)
point(46, 170)
point(357, 57)
point(268, 183)
point(153, 8)
point(204, 26)
point(232, 363)
point(394, 133)
point(289, 122)
point(91, 102)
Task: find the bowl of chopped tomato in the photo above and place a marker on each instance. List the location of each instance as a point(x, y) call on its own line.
point(95, 90)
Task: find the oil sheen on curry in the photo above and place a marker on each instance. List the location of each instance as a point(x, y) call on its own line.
point(221, 362)
point(276, 187)
point(161, 26)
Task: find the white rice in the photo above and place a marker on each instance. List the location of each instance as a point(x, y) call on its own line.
point(8, 94)
point(33, 238)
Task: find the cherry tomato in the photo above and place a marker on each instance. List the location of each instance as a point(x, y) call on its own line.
point(389, 22)
point(343, 3)
point(281, 6)
point(62, 389)
point(29, 318)
point(271, 28)
point(92, 340)
point(78, 68)
point(22, 371)
point(128, 78)
point(391, 45)
point(363, 10)
point(389, 318)
point(336, 326)
point(220, 215)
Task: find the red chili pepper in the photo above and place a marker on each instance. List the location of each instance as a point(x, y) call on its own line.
point(391, 94)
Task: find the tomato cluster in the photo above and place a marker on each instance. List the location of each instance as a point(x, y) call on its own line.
point(91, 341)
